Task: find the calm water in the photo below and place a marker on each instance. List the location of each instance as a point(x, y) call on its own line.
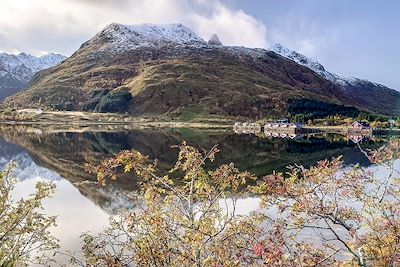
point(59, 157)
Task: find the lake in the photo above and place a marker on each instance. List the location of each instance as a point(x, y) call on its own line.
point(60, 157)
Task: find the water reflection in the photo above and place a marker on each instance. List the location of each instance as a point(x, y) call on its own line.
point(75, 213)
point(27, 168)
point(63, 154)
point(60, 157)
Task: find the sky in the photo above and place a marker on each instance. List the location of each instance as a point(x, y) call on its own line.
point(353, 37)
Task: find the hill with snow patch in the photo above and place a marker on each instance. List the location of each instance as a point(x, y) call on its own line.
point(17, 70)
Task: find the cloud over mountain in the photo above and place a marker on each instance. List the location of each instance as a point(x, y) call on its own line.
point(72, 22)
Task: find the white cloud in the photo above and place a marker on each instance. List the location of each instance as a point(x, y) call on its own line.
point(234, 27)
point(62, 25)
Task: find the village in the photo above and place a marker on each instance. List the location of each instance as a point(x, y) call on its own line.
point(282, 128)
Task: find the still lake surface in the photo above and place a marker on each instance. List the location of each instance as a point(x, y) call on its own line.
point(60, 157)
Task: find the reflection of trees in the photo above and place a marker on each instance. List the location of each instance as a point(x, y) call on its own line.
point(66, 153)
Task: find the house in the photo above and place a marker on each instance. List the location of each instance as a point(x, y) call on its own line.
point(360, 125)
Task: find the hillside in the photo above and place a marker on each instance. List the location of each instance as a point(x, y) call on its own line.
point(168, 69)
point(368, 95)
point(17, 70)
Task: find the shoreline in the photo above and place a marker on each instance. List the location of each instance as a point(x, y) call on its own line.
point(86, 121)
point(52, 126)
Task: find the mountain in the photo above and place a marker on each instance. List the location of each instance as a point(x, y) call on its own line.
point(364, 92)
point(168, 69)
point(17, 70)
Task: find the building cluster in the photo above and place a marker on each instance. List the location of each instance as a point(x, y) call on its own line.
point(247, 128)
point(283, 129)
point(278, 130)
point(275, 129)
point(281, 135)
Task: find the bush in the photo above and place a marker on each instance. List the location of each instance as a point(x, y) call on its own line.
point(363, 117)
point(193, 221)
point(91, 104)
point(380, 119)
point(24, 229)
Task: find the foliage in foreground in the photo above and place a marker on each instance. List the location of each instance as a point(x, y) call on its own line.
point(325, 215)
point(320, 216)
point(24, 229)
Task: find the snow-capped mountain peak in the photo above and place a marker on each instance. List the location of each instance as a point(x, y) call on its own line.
point(121, 37)
point(17, 70)
point(315, 66)
point(50, 60)
point(14, 63)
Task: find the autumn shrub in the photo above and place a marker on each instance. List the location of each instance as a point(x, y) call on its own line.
point(325, 215)
point(181, 223)
point(24, 229)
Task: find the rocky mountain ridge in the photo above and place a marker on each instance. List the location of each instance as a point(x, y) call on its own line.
point(116, 38)
point(17, 70)
point(365, 92)
point(316, 66)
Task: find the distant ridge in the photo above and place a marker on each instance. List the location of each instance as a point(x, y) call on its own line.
point(17, 70)
point(369, 95)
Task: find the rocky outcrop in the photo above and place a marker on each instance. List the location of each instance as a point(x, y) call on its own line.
point(214, 40)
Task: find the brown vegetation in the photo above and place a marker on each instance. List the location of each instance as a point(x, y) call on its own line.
point(172, 80)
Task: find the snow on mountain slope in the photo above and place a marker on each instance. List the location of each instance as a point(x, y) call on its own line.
point(26, 167)
point(317, 67)
point(17, 70)
point(120, 37)
point(24, 66)
point(365, 94)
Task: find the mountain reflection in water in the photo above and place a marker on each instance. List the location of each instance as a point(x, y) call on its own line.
point(81, 206)
point(64, 154)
